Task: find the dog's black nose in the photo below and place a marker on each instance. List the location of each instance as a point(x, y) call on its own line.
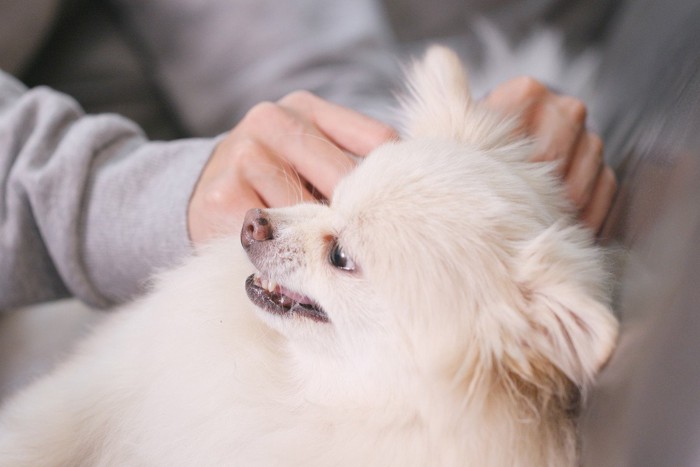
point(256, 228)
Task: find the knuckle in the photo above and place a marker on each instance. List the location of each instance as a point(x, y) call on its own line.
point(299, 98)
point(574, 108)
point(610, 178)
point(547, 154)
point(275, 115)
point(579, 190)
point(262, 111)
point(246, 149)
point(580, 194)
point(596, 144)
point(388, 134)
point(527, 87)
point(293, 124)
point(215, 199)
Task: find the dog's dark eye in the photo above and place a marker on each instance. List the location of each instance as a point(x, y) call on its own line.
point(339, 259)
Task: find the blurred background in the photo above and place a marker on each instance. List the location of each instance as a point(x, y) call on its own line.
point(183, 68)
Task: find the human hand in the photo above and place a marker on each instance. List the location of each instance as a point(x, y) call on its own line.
point(281, 153)
point(558, 124)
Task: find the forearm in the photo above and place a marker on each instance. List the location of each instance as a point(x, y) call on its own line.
point(89, 207)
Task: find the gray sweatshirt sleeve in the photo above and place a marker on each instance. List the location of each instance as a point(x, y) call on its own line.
point(88, 206)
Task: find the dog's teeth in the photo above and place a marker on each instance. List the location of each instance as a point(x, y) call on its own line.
point(271, 286)
point(263, 283)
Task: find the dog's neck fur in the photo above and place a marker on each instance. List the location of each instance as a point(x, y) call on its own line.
point(504, 420)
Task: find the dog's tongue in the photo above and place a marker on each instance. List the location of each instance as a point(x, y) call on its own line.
point(297, 297)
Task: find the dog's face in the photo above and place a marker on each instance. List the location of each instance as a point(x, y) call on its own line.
point(373, 281)
point(443, 261)
point(433, 258)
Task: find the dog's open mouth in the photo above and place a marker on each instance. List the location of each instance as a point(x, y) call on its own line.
point(281, 301)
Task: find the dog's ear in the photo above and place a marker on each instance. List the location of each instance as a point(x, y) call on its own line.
point(564, 319)
point(439, 104)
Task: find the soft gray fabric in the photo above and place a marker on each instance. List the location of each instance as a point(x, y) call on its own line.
point(89, 206)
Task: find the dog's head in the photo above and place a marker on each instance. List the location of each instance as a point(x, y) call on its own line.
point(445, 256)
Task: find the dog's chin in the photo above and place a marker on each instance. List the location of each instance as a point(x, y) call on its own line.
point(282, 302)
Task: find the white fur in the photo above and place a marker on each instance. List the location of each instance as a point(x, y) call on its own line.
point(477, 312)
point(540, 54)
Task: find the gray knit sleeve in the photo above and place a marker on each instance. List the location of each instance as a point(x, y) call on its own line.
point(88, 206)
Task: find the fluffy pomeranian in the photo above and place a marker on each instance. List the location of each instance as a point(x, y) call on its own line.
point(443, 309)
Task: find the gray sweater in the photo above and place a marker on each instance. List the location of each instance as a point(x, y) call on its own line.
point(89, 207)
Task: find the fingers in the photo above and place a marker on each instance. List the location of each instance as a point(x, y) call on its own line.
point(211, 212)
point(291, 137)
point(274, 180)
point(595, 212)
point(559, 128)
point(350, 130)
point(313, 135)
point(519, 95)
point(584, 170)
point(280, 154)
point(557, 124)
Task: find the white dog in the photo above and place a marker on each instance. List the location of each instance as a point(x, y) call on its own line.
point(443, 310)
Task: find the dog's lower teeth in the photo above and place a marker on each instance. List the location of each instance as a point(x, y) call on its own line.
point(264, 283)
point(276, 295)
